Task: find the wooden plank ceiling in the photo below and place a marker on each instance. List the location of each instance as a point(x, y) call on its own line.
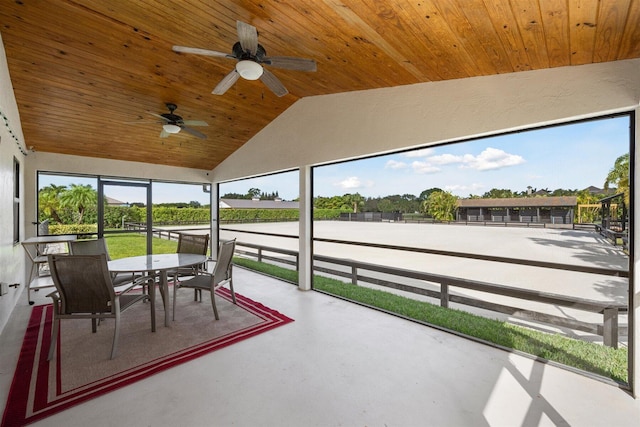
point(86, 72)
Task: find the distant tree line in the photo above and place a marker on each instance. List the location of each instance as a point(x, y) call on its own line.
point(179, 205)
point(405, 203)
point(252, 193)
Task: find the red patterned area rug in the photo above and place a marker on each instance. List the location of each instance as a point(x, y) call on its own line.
point(82, 370)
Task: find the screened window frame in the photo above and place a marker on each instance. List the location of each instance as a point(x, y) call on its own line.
point(16, 201)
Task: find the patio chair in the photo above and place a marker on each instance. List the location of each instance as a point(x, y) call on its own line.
point(193, 244)
point(190, 244)
point(97, 247)
point(84, 290)
point(206, 281)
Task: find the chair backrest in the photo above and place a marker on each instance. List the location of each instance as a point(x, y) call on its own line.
point(89, 247)
point(83, 282)
point(193, 244)
point(43, 228)
point(222, 270)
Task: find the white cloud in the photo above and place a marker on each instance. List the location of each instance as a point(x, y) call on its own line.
point(445, 159)
point(424, 152)
point(353, 182)
point(350, 182)
point(491, 158)
point(424, 167)
point(394, 164)
point(457, 188)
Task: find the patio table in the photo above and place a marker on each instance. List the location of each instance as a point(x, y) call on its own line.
point(158, 263)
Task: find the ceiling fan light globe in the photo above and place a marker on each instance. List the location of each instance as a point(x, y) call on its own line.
point(249, 70)
point(171, 128)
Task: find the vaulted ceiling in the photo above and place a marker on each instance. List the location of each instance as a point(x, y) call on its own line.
point(86, 73)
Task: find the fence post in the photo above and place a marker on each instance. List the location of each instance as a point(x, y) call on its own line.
point(259, 254)
point(444, 295)
point(354, 275)
point(610, 327)
point(297, 262)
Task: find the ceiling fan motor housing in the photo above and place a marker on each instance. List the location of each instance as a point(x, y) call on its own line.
point(172, 118)
point(241, 54)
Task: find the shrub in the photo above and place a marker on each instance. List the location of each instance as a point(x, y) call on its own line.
point(255, 215)
point(72, 228)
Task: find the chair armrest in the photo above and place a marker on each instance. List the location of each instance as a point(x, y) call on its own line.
point(137, 282)
point(57, 301)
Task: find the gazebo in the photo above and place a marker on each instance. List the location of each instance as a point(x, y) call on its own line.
point(614, 219)
point(614, 212)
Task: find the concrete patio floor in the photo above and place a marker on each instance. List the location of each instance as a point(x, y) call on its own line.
point(339, 364)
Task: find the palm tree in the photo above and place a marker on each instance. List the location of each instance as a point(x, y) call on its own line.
point(619, 176)
point(441, 205)
point(355, 201)
point(49, 202)
point(79, 197)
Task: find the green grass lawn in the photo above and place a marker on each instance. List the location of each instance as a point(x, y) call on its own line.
point(595, 358)
point(132, 244)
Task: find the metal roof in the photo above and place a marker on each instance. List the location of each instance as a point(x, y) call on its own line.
point(257, 204)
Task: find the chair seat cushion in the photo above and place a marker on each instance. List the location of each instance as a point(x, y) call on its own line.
point(201, 281)
point(127, 300)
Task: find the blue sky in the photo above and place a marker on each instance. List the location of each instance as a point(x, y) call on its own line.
point(571, 157)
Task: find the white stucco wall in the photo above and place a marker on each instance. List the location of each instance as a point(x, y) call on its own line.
point(12, 257)
point(326, 128)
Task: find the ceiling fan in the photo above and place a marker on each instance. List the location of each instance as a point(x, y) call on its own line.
point(172, 123)
point(251, 56)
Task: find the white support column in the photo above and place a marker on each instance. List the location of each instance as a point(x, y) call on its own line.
point(214, 242)
point(305, 267)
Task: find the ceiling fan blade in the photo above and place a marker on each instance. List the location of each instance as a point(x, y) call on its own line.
point(248, 37)
point(158, 115)
point(194, 132)
point(226, 83)
point(290, 63)
point(198, 51)
point(195, 123)
point(164, 134)
point(273, 83)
